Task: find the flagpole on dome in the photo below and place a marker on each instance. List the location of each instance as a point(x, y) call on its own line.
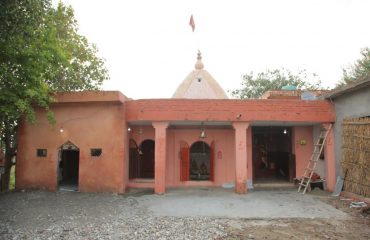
point(192, 25)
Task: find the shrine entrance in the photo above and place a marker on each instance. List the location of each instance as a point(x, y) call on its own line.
point(141, 162)
point(272, 154)
point(68, 167)
point(147, 159)
point(200, 161)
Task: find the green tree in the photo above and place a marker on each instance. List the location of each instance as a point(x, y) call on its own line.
point(358, 71)
point(253, 86)
point(80, 68)
point(40, 53)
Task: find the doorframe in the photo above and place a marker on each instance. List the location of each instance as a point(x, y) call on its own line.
point(67, 146)
point(141, 168)
point(291, 161)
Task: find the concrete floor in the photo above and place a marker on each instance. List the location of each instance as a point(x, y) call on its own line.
point(209, 202)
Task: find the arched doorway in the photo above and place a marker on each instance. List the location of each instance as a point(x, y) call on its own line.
point(141, 159)
point(200, 162)
point(146, 155)
point(68, 166)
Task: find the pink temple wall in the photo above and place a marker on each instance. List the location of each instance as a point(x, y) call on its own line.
point(87, 126)
point(224, 154)
point(142, 133)
point(302, 152)
point(224, 143)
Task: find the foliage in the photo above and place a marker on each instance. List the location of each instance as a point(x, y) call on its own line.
point(80, 68)
point(358, 71)
point(40, 53)
point(253, 86)
point(24, 54)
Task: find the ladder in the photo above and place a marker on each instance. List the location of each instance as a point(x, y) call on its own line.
point(310, 169)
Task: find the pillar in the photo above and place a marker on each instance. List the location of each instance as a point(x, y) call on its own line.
point(330, 166)
point(160, 157)
point(241, 167)
point(249, 155)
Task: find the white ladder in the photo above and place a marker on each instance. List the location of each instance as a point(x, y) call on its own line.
point(310, 169)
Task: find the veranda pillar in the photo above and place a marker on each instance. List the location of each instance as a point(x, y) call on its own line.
point(160, 157)
point(241, 156)
point(330, 166)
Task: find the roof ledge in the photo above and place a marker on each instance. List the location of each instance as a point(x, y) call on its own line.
point(90, 96)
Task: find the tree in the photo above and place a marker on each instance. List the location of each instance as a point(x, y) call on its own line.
point(80, 68)
point(40, 53)
point(358, 71)
point(253, 86)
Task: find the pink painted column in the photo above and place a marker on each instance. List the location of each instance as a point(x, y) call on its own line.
point(249, 154)
point(160, 157)
point(241, 167)
point(329, 151)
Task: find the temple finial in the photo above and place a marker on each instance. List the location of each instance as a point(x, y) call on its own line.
point(199, 55)
point(199, 64)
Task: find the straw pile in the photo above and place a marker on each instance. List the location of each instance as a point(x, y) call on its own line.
point(356, 155)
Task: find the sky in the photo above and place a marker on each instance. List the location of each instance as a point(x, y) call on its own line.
point(149, 46)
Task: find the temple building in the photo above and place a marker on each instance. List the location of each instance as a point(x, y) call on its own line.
point(105, 142)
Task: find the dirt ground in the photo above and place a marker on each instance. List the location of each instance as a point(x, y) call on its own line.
point(357, 226)
point(65, 215)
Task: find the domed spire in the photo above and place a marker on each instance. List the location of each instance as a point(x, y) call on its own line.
point(199, 64)
point(199, 84)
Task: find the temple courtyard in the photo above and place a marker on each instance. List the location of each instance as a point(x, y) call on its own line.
point(200, 213)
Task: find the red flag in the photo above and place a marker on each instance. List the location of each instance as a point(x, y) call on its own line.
point(191, 23)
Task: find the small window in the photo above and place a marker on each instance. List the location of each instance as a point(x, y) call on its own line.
point(41, 152)
point(96, 152)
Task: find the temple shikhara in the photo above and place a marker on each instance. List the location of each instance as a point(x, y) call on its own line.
point(104, 141)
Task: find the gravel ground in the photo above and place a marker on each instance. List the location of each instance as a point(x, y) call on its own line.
point(69, 215)
point(66, 215)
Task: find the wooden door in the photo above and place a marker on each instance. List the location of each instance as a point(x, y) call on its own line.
point(212, 162)
point(184, 161)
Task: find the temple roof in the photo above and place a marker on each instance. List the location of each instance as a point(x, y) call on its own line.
point(199, 84)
